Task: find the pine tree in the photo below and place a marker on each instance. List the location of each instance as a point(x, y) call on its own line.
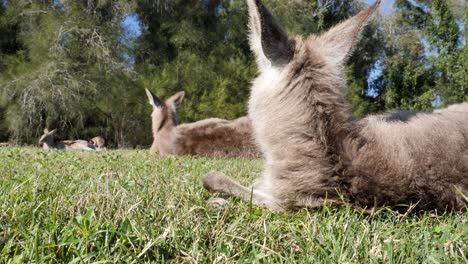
point(69, 65)
point(425, 60)
point(450, 53)
point(202, 47)
point(59, 78)
point(407, 82)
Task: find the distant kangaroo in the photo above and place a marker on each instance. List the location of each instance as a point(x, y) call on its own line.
point(317, 152)
point(48, 141)
point(99, 143)
point(211, 137)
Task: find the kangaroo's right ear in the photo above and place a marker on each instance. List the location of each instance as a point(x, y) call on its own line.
point(177, 98)
point(338, 42)
point(268, 40)
point(153, 99)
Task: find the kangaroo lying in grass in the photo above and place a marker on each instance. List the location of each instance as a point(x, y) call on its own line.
point(49, 141)
point(316, 151)
point(212, 137)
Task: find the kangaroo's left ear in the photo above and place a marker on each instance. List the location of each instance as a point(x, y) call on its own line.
point(268, 40)
point(177, 98)
point(338, 42)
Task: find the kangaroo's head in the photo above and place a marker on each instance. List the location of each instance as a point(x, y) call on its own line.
point(47, 137)
point(280, 56)
point(99, 142)
point(164, 113)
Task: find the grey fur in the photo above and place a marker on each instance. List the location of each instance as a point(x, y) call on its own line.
point(317, 152)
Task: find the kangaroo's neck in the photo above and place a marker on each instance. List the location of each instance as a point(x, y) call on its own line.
point(307, 118)
point(330, 122)
point(163, 140)
point(331, 125)
point(336, 128)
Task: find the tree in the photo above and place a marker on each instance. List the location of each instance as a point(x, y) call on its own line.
point(202, 47)
point(59, 77)
point(449, 53)
point(425, 60)
point(70, 65)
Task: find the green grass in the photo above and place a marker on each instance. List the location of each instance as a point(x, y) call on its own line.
point(126, 206)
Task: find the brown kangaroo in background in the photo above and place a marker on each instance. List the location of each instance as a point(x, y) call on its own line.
point(99, 143)
point(210, 137)
point(316, 151)
point(49, 141)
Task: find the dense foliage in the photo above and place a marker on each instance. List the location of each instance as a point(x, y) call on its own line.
point(425, 60)
point(74, 65)
point(64, 69)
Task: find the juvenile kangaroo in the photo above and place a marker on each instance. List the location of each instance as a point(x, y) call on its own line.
point(49, 141)
point(317, 152)
point(210, 137)
point(99, 143)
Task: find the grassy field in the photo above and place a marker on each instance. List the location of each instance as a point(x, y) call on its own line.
point(126, 206)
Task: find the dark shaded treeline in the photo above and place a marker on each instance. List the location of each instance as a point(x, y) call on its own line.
point(71, 64)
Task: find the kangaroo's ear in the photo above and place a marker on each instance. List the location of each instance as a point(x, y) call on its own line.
point(338, 42)
point(177, 98)
point(153, 99)
point(46, 130)
point(268, 40)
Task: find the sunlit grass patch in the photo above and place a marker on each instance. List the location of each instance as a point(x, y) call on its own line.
point(126, 206)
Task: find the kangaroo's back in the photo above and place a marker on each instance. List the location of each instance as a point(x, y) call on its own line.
point(458, 113)
point(404, 136)
point(78, 145)
point(410, 155)
point(217, 138)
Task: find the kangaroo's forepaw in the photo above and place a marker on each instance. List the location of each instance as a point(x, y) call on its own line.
point(215, 182)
